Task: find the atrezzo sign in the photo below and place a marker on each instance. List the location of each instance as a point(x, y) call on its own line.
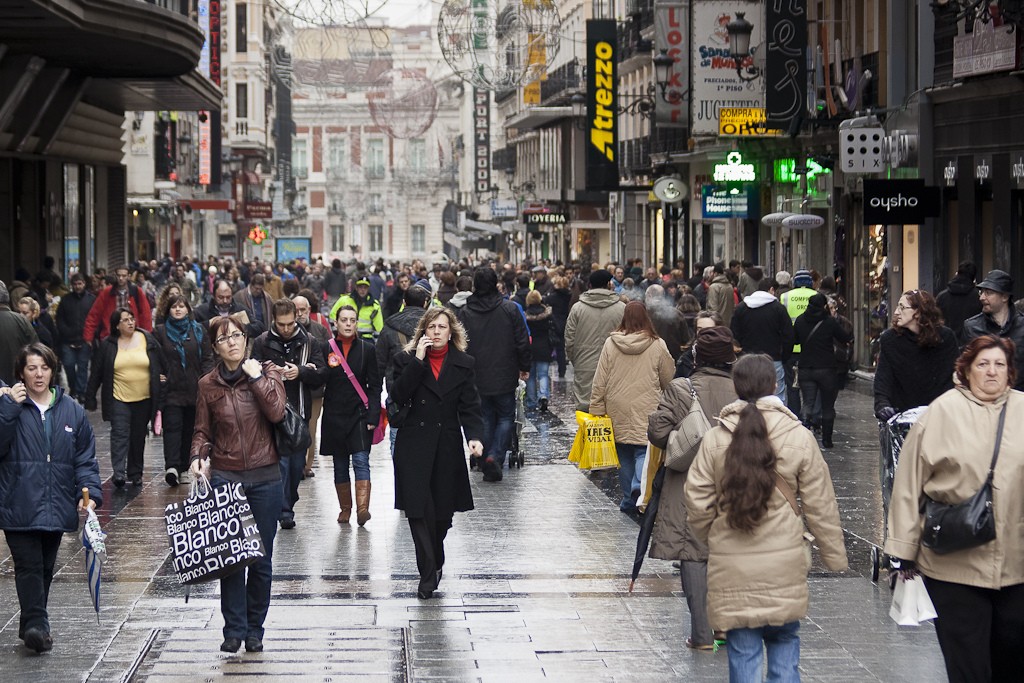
point(899, 202)
point(602, 98)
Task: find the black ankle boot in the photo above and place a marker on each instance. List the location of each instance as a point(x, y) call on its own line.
point(826, 433)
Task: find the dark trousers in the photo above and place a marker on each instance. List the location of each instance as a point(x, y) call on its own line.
point(428, 534)
point(245, 595)
point(76, 365)
point(559, 347)
point(128, 427)
point(179, 423)
point(980, 630)
point(34, 554)
point(792, 391)
point(499, 414)
point(815, 384)
point(292, 470)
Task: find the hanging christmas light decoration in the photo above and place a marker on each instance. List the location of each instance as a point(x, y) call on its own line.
point(498, 48)
point(403, 102)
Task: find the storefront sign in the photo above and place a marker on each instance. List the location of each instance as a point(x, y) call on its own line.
point(988, 49)
point(734, 170)
point(504, 208)
point(552, 218)
point(899, 202)
point(259, 210)
point(742, 122)
point(983, 167)
point(292, 248)
point(950, 173)
point(803, 221)
point(671, 27)
point(1017, 168)
point(715, 81)
point(720, 202)
point(482, 138)
point(785, 62)
point(786, 171)
point(774, 220)
point(602, 99)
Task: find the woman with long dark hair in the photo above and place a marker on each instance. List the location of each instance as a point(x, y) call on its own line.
point(634, 368)
point(187, 356)
point(916, 356)
point(741, 501)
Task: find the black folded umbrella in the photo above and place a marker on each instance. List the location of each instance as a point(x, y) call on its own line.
point(643, 539)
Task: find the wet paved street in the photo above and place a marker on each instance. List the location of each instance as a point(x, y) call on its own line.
point(535, 587)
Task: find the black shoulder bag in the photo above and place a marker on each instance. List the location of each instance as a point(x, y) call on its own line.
point(948, 528)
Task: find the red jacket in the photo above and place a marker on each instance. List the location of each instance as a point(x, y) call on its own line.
point(97, 323)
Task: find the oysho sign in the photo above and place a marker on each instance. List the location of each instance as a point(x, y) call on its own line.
point(899, 202)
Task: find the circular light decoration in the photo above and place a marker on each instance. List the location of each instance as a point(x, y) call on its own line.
point(403, 102)
point(498, 49)
point(257, 234)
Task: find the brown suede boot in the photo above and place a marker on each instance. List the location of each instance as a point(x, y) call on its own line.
point(362, 502)
point(345, 501)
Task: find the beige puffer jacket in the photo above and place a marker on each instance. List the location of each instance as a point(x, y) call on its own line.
point(631, 373)
point(946, 456)
point(760, 578)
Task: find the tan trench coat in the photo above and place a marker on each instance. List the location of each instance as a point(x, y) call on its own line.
point(760, 578)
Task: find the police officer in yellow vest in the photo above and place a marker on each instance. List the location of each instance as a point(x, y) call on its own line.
point(370, 319)
point(795, 301)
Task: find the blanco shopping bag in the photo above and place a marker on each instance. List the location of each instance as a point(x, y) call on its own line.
point(910, 603)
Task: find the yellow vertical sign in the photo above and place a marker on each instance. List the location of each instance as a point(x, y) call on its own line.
point(536, 58)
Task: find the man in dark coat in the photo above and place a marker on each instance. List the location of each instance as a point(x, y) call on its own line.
point(499, 341)
point(15, 332)
point(959, 300)
point(998, 317)
point(762, 325)
point(256, 302)
point(74, 352)
point(289, 346)
point(223, 304)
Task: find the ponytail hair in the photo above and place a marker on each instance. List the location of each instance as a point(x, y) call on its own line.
point(750, 458)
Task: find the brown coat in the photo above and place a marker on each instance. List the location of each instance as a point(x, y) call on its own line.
point(760, 578)
point(672, 538)
point(239, 420)
point(631, 373)
point(946, 456)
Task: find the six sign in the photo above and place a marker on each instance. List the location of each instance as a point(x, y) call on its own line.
point(861, 150)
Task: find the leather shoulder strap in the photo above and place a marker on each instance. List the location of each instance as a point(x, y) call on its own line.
point(786, 491)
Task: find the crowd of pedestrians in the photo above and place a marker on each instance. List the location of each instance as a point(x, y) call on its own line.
point(212, 355)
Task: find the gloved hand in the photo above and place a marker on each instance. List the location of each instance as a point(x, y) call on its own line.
point(885, 413)
point(906, 568)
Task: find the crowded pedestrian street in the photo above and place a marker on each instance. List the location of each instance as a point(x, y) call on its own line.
point(536, 586)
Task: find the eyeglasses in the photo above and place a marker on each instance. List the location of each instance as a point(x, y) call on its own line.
point(234, 336)
point(901, 307)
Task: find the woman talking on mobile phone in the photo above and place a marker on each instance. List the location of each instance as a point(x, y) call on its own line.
point(437, 397)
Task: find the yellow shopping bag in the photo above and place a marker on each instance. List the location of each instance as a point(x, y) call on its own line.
point(598, 445)
point(577, 444)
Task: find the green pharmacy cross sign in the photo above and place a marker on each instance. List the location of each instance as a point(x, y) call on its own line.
point(786, 171)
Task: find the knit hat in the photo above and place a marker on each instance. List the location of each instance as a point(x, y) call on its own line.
point(714, 346)
point(802, 278)
point(600, 278)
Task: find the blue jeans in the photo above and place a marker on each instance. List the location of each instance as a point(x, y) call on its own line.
point(780, 381)
point(360, 463)
point(539, 382)
point(245, 595)
point(746, 652)
point(76, 365)
point(499, 413)
point(292, 471)
point(631, 468)
point(392, 434)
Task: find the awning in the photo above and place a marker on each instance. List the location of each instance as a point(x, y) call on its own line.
point(482, 227)
point(534, 117)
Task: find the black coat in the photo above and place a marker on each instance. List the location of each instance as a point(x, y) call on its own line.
point(498, 339)
point(958, 302)
point(390, 340)
point(343, 423)
point(764, 329)
point(101, 373)
point(182, 386)
point(299, 350)
point(71, 315)
point(817, 350)
point(430, 458)
point(1013, 329)
point(560, 301)
point(908, 375)
point(540, 323)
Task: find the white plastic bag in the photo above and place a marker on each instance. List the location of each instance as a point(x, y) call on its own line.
point(910, 603)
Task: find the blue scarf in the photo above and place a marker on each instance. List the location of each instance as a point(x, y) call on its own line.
point(179, 330)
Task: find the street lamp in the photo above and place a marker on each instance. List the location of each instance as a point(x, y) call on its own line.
point(642, 104)
point(740, 30)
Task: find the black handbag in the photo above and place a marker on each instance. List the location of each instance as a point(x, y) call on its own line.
point(292, 433)
point(948, 528)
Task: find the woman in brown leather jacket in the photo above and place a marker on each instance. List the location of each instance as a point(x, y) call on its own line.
point(239, 403)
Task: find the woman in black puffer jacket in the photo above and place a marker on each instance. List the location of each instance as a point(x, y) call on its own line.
point(817, 330)
point(560, 301)
point(540, 322)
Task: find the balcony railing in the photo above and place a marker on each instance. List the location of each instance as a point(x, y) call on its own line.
point(561, 83)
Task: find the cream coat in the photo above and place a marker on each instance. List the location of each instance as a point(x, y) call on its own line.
point(946, 456)
point(760, 578)
point(631, 373)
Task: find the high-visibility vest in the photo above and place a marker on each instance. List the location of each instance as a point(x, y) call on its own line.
point(795, 301)
point(369, 319)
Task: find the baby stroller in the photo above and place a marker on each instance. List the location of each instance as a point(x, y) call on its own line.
point(515, 453)
point(892, 434)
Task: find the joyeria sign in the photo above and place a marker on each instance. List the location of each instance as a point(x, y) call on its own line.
point(899, 202)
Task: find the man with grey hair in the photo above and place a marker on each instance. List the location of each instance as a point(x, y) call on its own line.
point(15, 332)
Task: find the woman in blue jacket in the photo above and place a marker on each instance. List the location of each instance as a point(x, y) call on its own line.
point(47, 456)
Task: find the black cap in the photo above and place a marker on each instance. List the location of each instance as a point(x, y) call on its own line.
point(600, 278)
point(998, 281)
